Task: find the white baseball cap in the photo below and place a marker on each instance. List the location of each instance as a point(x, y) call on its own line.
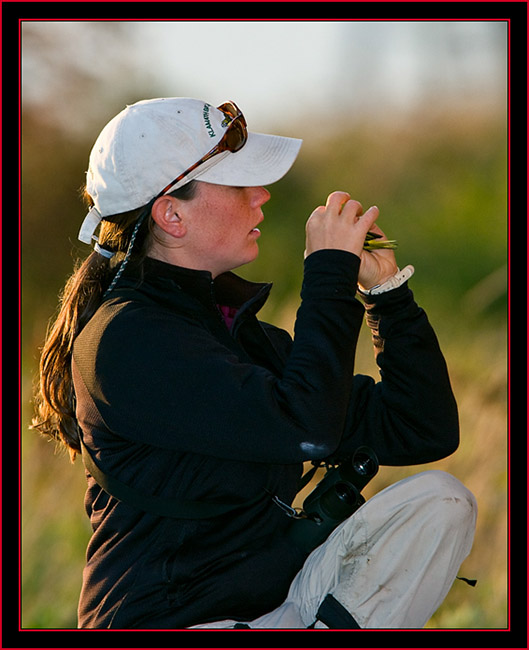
point(150, 143)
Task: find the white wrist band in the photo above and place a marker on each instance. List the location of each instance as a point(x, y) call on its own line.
point(397, 280)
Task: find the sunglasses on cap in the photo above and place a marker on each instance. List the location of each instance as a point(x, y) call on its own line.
point(233, 139)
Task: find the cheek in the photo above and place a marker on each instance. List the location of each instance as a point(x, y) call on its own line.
point(217, 237)
point(226, 229)
point(223, 227)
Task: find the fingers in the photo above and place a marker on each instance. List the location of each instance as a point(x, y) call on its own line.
point(369, 218)
point(354, 213)
point(336, 200)
point(340, 224)
point(341, 203)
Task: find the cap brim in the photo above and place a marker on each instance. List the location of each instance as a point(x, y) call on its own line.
point(263, 160)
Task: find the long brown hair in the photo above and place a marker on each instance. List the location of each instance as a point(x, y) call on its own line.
point(79, 300)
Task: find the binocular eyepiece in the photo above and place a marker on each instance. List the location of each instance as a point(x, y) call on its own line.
point(335, 498)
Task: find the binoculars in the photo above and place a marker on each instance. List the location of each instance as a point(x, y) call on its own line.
point(335, 498)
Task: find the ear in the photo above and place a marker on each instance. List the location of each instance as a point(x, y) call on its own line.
point(165, 215)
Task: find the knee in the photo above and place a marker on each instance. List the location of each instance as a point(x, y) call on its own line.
point(448, 499)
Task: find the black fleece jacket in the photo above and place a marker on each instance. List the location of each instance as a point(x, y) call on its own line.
point(172, 402)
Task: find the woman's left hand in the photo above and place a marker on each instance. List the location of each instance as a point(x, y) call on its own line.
point(376, 266)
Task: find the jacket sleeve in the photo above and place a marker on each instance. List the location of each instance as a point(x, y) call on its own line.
point(410, 416)
point(167, 381)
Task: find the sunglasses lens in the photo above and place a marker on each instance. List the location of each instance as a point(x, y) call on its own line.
point(228, 108)
point(232, 110)
point(236, 136)
point(236, 133)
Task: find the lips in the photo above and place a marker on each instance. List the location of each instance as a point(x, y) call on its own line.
point(256, 229)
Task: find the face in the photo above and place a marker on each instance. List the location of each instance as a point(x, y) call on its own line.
point(221, 226)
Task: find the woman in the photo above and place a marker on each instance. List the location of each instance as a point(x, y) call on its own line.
point(194, 417)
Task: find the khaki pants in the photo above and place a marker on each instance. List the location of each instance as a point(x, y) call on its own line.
point(391, 564)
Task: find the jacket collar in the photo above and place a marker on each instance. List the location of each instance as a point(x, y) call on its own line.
point(226, 289)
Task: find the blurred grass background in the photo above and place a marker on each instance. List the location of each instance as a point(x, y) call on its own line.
point(438, 173)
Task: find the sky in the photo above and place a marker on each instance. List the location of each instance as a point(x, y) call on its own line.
point(278, 72)
point(292, 65)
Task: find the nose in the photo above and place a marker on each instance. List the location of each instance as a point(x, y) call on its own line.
point(260, 196)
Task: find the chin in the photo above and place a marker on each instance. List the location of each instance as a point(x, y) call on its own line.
point(247, 259)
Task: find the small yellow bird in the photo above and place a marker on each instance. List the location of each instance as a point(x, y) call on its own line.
point(373, 242)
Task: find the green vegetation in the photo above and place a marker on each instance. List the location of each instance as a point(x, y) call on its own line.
point(441, 186)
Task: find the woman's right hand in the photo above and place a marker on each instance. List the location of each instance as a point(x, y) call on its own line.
point(340, 224)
